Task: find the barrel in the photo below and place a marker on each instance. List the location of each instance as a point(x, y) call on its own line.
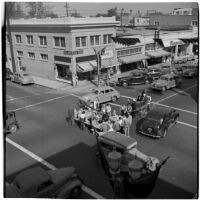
point(135, 168)
point(114, 159)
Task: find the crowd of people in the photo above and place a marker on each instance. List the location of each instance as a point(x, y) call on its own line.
point(102, 118)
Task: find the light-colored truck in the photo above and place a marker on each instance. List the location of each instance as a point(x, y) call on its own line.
point(166, 82)
point(39, 183)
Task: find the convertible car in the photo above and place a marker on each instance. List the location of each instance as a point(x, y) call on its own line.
point(135, 78)
point(157, 122)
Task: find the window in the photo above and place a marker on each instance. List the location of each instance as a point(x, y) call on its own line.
point(18, 39)
point(107, 39)
point(59, 41)
point(107, 91)
point(157, 23)
point(20, 53)
point(29, 39)
point(44, 57)
point(194, 23)
point(94, 40)
point(31, 55)
point(43, 40)
point(7, 38)
point(129, 51)
point(80, 41)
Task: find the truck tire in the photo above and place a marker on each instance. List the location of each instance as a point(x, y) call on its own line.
point(124, 84)
point(13, 128)
point(75, 192)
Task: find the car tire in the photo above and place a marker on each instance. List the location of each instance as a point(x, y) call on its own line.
point(13, 128)
point(124, 84)
point(114, 98)
point(75, 192)
point(164, 133)
point(147, 82)
point(163, 89)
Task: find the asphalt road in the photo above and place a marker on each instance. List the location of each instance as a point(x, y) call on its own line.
point(44, 132)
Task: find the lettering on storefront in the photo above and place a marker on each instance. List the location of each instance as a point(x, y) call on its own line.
point(108, 54)
point(73, 52)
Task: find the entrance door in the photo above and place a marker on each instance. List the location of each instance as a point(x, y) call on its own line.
point(64, 72)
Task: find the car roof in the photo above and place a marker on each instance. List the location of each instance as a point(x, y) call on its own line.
point(31, 177)
point(158, 112)
point(103, 88)
point(119, 140)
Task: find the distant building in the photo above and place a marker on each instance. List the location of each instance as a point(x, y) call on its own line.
point(60, 48)
point(185, 11)
point(140, 21)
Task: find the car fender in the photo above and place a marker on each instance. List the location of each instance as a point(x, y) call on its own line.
point(67, 188)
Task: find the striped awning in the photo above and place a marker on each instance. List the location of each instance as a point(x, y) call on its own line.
point(190, 40)
point(126, 41)
point(105, 63)
point(84, 67)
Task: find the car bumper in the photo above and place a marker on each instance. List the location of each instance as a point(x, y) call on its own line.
point(148, 134)
point(156, 88)
point(27, 82)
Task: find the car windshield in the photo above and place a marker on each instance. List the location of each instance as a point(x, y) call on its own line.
point(95, 91)
point(137, 75)
point(165, 67)
point(164, 78)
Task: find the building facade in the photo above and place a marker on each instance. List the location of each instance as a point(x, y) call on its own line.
point(62, 48)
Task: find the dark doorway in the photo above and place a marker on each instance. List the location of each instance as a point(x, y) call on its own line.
point(64, 72)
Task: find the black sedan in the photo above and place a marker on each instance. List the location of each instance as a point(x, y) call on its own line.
point(135, 78)
point(157, 122)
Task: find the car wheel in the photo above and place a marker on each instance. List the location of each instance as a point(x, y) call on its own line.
point(75, 192)
point(114, 98)
point(164, 132)
point(124, 84)
point(13, 128)
point(147, 82)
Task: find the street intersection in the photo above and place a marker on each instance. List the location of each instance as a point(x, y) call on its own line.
point(45, 139)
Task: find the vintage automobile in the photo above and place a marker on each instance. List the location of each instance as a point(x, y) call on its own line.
point(135, 170)
point(11, 124)
point(135, 78)
point(166, 82)
point(8, 74)
point(22, 78)
point(157, 122)
point(167, 68)
point(190, 71)
point(103, 93)
point(39, 183)
point(154, 73)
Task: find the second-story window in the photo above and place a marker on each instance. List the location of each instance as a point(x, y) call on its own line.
point(31, 55)
point(43, 40)
point(194, 23)
point(95, 40)
point(107, 39)
point(80, 41)
point(29, 39)
point(59, 41)
point(18, 39)
point(20, 53)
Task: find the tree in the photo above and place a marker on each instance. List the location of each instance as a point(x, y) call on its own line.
point(14, 10)
point(33, 9)
point(36, 9)
point(112, 12)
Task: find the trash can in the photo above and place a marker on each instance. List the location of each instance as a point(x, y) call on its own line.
point(135, 168)
point(114, 159)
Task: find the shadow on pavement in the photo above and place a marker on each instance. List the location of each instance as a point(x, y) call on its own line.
point(82, 157)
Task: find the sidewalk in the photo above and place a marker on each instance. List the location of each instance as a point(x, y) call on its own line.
point(57, 85)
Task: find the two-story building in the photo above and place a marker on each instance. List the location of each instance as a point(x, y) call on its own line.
point(60, 48)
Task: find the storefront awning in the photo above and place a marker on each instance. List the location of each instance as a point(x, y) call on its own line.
point(105, 63)
point(169, 43)
point(132, 58)
point(126, 41)
point(84, 67)
point(159, 53)
point(190, 40)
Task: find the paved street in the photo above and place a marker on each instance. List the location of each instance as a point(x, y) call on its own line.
point(45, 139)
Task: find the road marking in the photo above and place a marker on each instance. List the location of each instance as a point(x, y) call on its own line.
point(194, 113)
point(187, 124)
point(182, 91)
point(10, 97)
point(179, 122)
point(49, 100)
point(50, 166)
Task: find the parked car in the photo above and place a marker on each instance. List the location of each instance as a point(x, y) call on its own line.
point(135, 78)
point(103, 93)
point(154, 73)
point(11, 123)
point(39, 183)
point(8, 74)
point(167, 68)
point(166, 82)
point(157, 122)
point(190, 71)
point(22, 78)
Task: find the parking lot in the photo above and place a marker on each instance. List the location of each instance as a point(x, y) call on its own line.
point(46, 140)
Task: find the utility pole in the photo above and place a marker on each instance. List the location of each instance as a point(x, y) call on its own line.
point(7, 9)
point(67, 11)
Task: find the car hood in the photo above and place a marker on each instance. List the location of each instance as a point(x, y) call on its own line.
point(125, 78)
point(149, 123)
point(160, 82)
point(61, 175)
point(28, 78)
